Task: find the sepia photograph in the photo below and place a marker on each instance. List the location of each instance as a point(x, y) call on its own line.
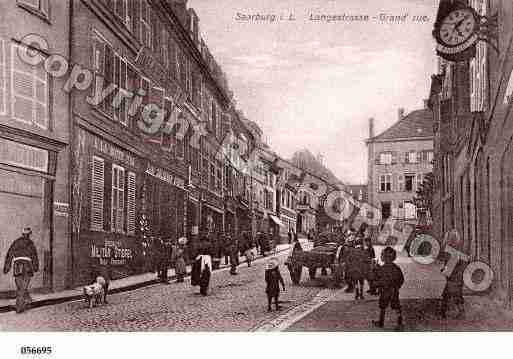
point(249, 166)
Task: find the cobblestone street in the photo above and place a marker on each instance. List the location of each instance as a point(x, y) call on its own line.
point(235, 303)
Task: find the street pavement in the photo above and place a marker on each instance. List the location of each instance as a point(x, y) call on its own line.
point(235, 303)
point(420, 302)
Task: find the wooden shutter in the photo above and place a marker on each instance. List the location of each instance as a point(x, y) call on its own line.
point(97, 193)
point(418, 154)
point(109, 77)
point(377, 159)
point(401, 183)
point(394, 158)
point(407, 157)
point(130, 203)
point(135, 11)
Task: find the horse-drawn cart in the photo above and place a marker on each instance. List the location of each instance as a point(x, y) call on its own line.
point(323, 256)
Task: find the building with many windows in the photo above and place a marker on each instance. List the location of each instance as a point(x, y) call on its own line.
point(398, 159)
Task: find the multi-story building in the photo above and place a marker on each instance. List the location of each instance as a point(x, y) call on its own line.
point(34, 137)
point(398, 159)
point(122, 175)
point(474, 149)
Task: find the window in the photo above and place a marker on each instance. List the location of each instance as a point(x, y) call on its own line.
point(410, 211)
point(3, 80)
point(214, 117)
point(172, 57)
point(410, 157)
point(427, 157)
point(164, 48)
point(478, 67)
point(385, 158)
point(121, 79)
point(40, 8)
point(145, 24)
point(122, 10)
point(408, 182)
point(105, 65)
point(385, 183)
point(118, 198)
point(29, 92)
point(97, 193)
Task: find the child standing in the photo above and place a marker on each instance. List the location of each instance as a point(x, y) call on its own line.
point(273, 279)
point(389, 280)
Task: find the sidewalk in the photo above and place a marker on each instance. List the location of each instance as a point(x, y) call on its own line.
point(420, 302)
point(116, 286)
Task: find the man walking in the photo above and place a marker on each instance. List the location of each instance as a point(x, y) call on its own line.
point(22, 256)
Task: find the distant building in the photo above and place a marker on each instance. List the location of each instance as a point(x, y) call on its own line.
point(398, 160)
point(358, 192)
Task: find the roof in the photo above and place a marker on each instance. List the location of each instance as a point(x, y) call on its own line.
point(416, 124)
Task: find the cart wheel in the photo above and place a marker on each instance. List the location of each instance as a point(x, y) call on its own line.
point(311, 272)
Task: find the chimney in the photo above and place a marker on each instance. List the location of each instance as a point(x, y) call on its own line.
point(371, 127)
point(426, 103)
point(400, 113)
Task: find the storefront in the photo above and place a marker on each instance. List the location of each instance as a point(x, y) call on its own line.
point(164, 202)
point(212, 213)
point(107, 192)
point(27, 175)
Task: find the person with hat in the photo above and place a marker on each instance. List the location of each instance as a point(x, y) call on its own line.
point(22, 257)
point(273, 279)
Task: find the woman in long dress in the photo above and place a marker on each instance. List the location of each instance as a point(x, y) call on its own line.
point(180, 267)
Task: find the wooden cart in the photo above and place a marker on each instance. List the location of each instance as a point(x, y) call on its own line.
point(324, 256)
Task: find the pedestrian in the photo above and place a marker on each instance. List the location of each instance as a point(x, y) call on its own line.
point(248, 250)
point(453, 290)
point(358, 269)
point(296, 238)
point(290, 236)
point(371, 275)
point(202, 267)
point(295, 269)
point(261, 239)
point(389, 281)
point(273, 279)
point(226, 247)
point(22, 257)
point(162, 259)
point(179, 260)
point(216, 251)
point(234, 256)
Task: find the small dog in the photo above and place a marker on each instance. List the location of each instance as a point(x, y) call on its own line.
point(94, 293)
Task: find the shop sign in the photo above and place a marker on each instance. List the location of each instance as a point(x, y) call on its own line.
point(21, 155)
point(61, 209)
point(112, 252)
point(113, 151)
point(160, 173)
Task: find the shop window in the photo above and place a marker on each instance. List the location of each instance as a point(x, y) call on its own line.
point(30, 93)
point(144, 24)
point(118, 198)
point(3, 80)
point(97, 193)
point(130, 210)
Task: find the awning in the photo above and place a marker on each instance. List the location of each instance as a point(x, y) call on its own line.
point(276, 220)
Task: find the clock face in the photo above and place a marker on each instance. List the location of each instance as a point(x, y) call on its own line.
point(457, 27)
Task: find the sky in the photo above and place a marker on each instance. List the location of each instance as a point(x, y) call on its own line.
point(314, 85)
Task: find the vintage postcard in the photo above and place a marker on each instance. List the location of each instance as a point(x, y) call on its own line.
point(255, 166)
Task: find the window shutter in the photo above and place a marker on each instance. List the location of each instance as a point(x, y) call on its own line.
point(97, 193)
point(394, 158)
point(394, 185)
point(401, 183)
point(130, 204)
point(419, 181)
point(135, 8)
point(109, 76)
point(377, 159)
point(418, 157)
point(406, 157)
